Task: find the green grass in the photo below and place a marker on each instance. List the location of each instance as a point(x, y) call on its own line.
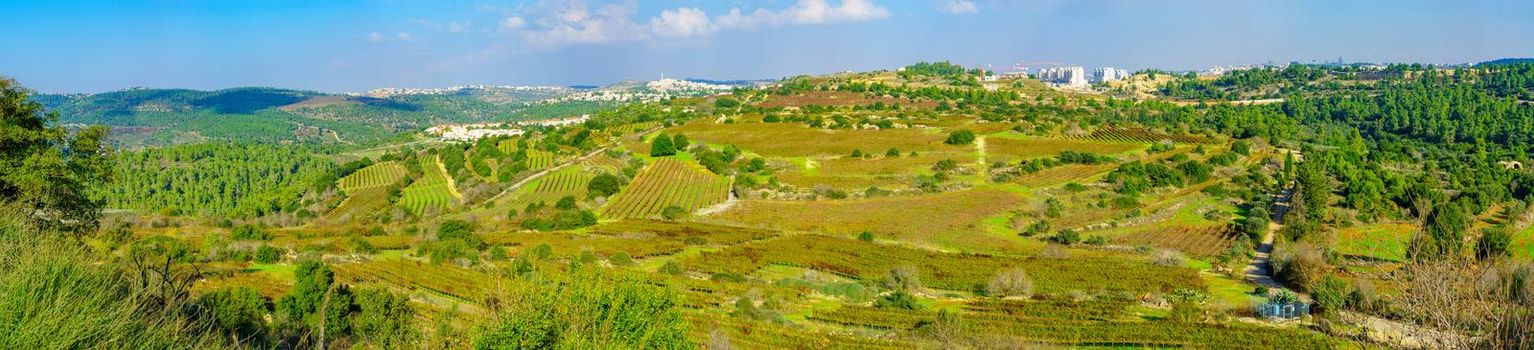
point(1385, 241)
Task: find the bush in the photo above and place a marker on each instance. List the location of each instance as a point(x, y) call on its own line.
point(1331, 294)
point(1096, 240)
point(898, 300)
point(565, 203)
point(960, 138)
point(239, 311)
point(673, 212)
point(671, 268)
point(1010, 282)
point(268, 254)
point(384, 319)
point(620, 259)
point(588, 309)
point(1168, 257)
point(1067, 236)
point(866, 236)
point(661, 146)
point(902, 279)
point(1493, 243)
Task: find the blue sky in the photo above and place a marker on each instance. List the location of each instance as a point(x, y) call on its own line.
point(355, 45)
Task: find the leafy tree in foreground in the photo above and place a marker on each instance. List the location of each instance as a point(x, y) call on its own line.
point(661, 146)
point(48, 171)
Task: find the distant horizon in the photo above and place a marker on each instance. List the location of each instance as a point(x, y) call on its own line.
point(357, 45)
point(598, 85)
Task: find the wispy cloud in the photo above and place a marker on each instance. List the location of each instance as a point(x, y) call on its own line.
point(575, 22)
point(959, 6)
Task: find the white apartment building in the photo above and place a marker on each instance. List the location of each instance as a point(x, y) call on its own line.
point(1068, 76)
point(1106, 74)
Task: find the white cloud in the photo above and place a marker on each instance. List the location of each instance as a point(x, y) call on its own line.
point(573, 22)
point(681, 23)
point(513, 22)
point(960, 7)
point(375, 37)
point(403, 36)
point(457, 27)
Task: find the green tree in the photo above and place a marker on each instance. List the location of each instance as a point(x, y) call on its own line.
point(960, 138)
point(317, 304)
point(238, 311)
point(679, 142)
point(661, 146)
point(1493, 243)
point(384, 319)
point(603, 185)
point(48, 171)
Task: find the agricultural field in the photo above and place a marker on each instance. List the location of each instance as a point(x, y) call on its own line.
point(953, 220)
point(869, 261)
point(1385, 241)
point(860, 173)
point(798, 140)
point(367, 190)
point(433, 191)
point(568, 181)
point(1012, 147)
point(1140, 135)
point(538, 160)
point(837, 98)
point(665, 183)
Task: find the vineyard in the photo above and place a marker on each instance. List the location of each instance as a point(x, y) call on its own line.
point(539, 159)
point(568, 181)
point(619, 130)
point(432, 190)
point(1048, 323)
point(1014, 148)
point(376, 175)
point(416, 275)
point(943, 219)
point(507, 146)
point(869, 261)
point(366, 190)
point(1199, 241)
point(668, 182)
point(1141, 135)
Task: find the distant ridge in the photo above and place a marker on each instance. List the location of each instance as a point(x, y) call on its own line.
point(1506, 61)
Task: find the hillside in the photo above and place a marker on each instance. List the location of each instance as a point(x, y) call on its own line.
point(923, 207)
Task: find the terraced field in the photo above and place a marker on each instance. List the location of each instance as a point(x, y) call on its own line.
point(950, 219)
point(1140, 135)
point(668, 182)
point(537, 160)
point(433, 190)
point(1012, 147)
point(869, 261)
point(568, 181)
point(366, 190)
point(798, 140)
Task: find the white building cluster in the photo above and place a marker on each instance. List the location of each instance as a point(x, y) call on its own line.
point(1076, 76)
point(471, 132)
point(1107, 74)
point(1068, 76)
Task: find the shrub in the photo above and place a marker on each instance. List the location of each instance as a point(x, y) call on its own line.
point(1096, 240)
point(588, 309)
point(268, 254)
point(898, 300)
point(384, 319)
point(671, 268)
point(565, 203)
point(1493, 242)
point(239, 311)
point(1067, 237)
point(620, 259)
point(248, 232)
point(673, 212)
point(1331, 294)
point(1010, 282)
point(902, 278)
point(661, 146)
point(1167, 257)
point(866, 236)
point(960, 138)
point(542, 251)
point(727, 277)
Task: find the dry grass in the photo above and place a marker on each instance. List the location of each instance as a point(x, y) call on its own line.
point(1015, 148)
